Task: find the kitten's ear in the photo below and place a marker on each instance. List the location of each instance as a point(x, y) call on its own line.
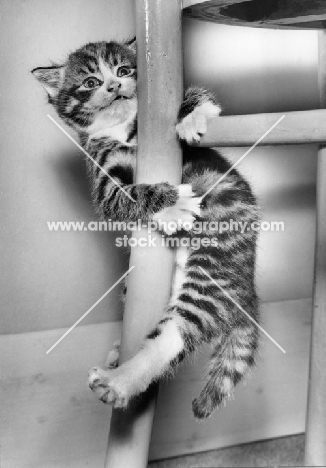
point(132, 44)
point(50, 78)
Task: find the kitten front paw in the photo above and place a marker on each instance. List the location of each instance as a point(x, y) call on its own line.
point(107, 387)
point(187, 199)
point(181, 215)
point(194, 125)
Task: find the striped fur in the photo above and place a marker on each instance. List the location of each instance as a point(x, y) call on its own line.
point(95, 93)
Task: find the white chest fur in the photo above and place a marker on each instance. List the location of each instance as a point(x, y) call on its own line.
point(119, 132)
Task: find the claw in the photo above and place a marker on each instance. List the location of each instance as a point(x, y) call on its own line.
point(109, 387)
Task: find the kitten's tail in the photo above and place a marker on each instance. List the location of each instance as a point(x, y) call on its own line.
point(229, 363)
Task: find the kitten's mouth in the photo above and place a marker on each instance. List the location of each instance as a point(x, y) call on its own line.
point(119, 97)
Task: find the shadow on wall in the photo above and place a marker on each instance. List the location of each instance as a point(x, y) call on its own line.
point(71, 175)
point(253, 70)
point(284, 90)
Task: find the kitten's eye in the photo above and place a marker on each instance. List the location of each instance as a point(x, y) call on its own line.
point(123, 71)
point(91, 82)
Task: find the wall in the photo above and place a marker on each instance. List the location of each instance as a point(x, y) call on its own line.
point(50, 279)
point(59, 422)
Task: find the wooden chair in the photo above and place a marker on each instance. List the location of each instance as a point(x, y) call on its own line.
point(158, 29)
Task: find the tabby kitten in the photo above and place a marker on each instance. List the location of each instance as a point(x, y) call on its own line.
point(94, 92)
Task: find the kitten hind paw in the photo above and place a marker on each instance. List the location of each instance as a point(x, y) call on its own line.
point(107, 388)
point(192, 127)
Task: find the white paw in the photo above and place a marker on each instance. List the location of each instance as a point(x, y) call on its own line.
point(112, 360)
point(187, 200)
point(107, 387)
point(194, 125)
point(181, 215)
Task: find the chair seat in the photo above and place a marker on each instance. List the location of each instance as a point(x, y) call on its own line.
point(289, 14)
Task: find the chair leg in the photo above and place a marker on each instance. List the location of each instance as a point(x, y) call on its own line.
point(316, 413)
point(160, 71)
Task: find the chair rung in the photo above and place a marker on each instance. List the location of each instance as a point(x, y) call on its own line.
point(301, 127)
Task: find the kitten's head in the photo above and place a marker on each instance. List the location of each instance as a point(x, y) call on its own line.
point(96, 86)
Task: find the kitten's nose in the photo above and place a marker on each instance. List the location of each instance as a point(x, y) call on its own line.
point(113, 86)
